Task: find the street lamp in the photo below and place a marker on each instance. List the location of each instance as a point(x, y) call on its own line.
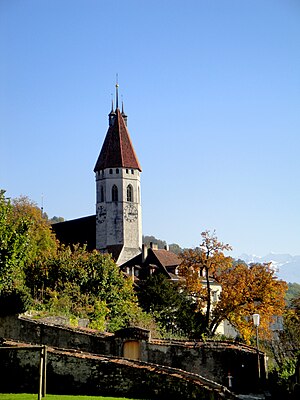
point(256, 318)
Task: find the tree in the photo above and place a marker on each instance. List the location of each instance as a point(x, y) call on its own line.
point(292, 293)
point(171, 306)
point(245, 289)
point(55, 219)
point(175, 248)
point(79, 283)
point(41, 239)
point(285, 350)
point(198, 266)
point(152, 239)
point(14, 239)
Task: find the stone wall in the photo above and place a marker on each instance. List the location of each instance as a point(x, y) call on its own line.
point(36, 332)
point(212, 360)
point(82, 373)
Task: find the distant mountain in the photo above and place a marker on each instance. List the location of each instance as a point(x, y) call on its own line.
point(287, 267)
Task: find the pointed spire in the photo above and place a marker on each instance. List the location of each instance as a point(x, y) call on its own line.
point(112, 104)
point(117, 150)
point(112, 114)
point(123, 113)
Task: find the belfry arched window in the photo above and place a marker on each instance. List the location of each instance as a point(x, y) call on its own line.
point(129, 193)
point(101, 194)
point(114, 193)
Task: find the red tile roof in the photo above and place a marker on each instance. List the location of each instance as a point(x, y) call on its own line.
point(166, 258)
point(117, 149)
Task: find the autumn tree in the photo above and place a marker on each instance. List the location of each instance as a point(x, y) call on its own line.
point(245, 289)
point(198, 267)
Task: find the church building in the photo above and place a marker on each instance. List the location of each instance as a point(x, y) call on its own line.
point(118, 192)
point(117, 226)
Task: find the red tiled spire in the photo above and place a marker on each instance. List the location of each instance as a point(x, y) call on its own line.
point(117, 150)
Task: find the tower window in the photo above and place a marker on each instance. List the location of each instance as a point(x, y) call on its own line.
point(114, 193)
point(110, 171)
point(129, 193)
point(132, 171)
point(127, 171)
point(101, 194)
point(117, 171)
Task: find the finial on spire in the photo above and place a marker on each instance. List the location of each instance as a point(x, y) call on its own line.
point(122, 104)
point(112, 114)
point(123, 113)
point(117, 92)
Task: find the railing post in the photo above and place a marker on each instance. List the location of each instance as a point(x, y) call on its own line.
point(44, 370)
point(41, 374)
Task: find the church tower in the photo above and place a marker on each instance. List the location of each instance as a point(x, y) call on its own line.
point(118, 193)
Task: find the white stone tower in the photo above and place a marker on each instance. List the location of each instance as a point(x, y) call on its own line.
point(118, 192)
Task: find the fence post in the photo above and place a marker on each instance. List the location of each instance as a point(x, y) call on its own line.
point(40, 374)
point(44, 370)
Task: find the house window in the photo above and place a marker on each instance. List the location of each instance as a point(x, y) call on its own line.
point(215, 296)
point(129, 193)
point(114, 193)
point(101, 194)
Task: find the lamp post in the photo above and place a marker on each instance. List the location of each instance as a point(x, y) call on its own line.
point(256, 318)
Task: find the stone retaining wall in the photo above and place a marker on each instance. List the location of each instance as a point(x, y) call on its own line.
point(82, 373)
point(212, 360)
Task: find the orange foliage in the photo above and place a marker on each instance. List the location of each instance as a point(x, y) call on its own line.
point(249, 290)
point(246, 290)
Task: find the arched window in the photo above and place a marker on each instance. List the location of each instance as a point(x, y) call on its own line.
point(129, 193)
point(114, 193)
point(101, 194)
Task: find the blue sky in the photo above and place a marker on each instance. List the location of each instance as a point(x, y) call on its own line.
point(212, 93)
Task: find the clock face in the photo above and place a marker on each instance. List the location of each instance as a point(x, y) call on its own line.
point(130, 213)
point(101, 214)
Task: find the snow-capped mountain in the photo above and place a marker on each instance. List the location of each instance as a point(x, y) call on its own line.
point(287, 267)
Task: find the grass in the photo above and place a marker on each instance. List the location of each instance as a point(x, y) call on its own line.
point(25, 396)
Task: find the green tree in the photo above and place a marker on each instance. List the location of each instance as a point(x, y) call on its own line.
point(152, 239)
point(171, 306)
point(85, 284)
point(292, 293)
point(41, 239)
point(55, 219)
point(14, 239)
point(285, 351)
